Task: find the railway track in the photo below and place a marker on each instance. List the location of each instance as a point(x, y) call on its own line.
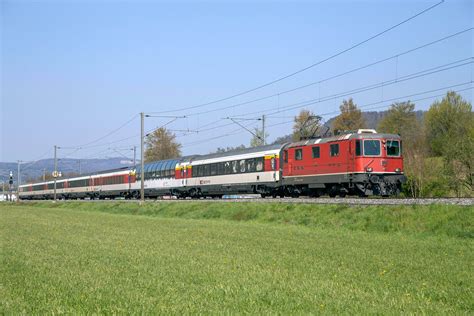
point(349, 201)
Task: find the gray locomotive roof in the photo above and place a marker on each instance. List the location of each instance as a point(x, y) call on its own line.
point(343, 137)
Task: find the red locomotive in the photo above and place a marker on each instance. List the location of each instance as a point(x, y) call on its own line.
point(360, 163)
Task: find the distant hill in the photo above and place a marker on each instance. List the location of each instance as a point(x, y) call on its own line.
point(35, 170)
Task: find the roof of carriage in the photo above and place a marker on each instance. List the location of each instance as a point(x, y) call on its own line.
point(238, 152)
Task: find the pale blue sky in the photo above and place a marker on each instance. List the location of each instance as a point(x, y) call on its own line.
point(74, 71)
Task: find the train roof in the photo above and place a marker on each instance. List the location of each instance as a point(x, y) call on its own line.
point(239, 152)
point(359, 134)
point(80, 176)
point(159, 165)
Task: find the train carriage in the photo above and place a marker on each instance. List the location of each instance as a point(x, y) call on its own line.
point(250, 170)
point(160, 178)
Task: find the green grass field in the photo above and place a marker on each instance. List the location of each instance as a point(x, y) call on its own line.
point(235, 258)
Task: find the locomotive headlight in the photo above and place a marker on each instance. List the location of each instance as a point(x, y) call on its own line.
point(369, 169)
point(398, 170)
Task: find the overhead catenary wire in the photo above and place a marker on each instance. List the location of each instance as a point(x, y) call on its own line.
point(339, 53)
point(282, 92)
point(233, 132)
point(408, 77)
point(333, 76)
point(29, 164)
point(126, 138)
point(397, 80)
point(334, 112)
point(411, 76)
point(85, 145)
point(365, 106)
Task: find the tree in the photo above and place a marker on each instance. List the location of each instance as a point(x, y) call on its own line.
point(350, 118)
point(450, 135)
point(160, 145)
point(401, 119)
point(257, 138)
point(306, 124)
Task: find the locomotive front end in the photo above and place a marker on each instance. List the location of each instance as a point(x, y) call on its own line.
point(379, 163)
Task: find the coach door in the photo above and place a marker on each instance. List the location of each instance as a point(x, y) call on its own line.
point(350, 157)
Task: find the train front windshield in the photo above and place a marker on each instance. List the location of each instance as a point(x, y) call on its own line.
point(393, 148)
point(371, 147)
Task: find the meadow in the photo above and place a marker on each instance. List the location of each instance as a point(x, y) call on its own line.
point(206, 258)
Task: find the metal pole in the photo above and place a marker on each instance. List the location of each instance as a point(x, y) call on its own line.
point(263, 130)
point(18, 182)
point(142, 160)
point(55, 170)
point(44, 174)
point(134, 156)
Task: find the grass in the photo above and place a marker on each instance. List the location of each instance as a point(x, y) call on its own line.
point(103, 258)
point(435, 219)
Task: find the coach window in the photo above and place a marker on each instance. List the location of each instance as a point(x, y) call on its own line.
point(154, 173)
point(315, 152)
point(227, 167)
point(207, 170)
point(195, 171)
point(334, 150)
point(164, 169)
point(259, 165)
point(299, 154)
point(235, 167)
point(242, 166)
point(371, 147)
point(220, 168)
point(250, 165)
point(213, 169)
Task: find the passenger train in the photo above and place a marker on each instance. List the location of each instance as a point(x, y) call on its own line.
point(360, 163)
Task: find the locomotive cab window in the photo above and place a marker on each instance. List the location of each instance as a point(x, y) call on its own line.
point(316, 152)
point(371, 147)
point(285, 156)
point(334, 150)
point(358, 148)
point(393, 148)
point(299, 154)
